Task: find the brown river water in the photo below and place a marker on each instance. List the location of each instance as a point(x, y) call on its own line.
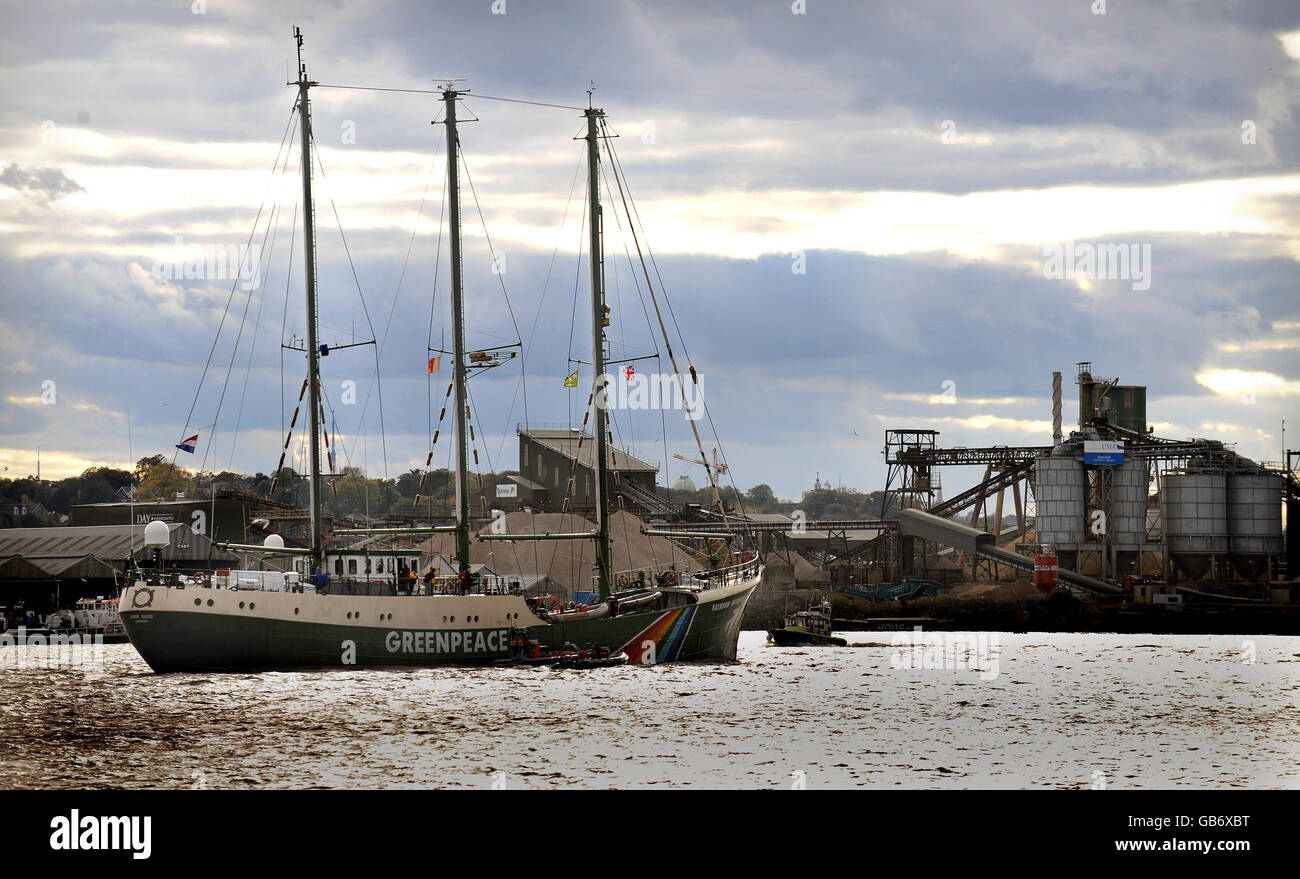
point(1026, 710)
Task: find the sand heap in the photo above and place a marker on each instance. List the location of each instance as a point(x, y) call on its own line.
point(570, 563)
point(789, 568)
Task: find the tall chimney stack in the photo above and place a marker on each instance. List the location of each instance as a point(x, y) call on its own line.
point(1056, 409)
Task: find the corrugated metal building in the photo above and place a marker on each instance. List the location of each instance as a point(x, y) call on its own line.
point(546, 460)
point(38, 564)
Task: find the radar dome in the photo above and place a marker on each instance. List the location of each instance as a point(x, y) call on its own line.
point(684, 483)
point(273, 541)
point(156, 533)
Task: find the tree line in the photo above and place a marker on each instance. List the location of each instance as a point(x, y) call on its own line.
point(351, 493)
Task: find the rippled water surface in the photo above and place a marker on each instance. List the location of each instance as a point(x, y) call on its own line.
point(1066, 711)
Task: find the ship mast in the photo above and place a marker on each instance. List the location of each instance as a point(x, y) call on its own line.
point(599, 319)
point(449, 96)
point(313, 345)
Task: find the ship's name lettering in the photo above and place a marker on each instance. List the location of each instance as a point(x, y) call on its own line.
point(474, 641)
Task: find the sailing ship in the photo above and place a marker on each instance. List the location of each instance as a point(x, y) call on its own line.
point(653, 616)
point(180, 623)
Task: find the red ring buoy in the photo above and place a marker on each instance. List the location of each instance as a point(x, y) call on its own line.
point(671, 578)
point(135, 597)
point(623, 580)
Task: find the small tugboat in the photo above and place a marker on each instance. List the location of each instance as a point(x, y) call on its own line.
point(807, 627)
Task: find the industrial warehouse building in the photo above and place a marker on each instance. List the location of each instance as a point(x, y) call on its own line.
point(547, 460)
point(45, 568)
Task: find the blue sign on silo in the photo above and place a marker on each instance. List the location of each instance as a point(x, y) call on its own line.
point(1103, 453)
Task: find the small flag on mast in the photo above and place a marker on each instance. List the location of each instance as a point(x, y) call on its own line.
point(188, 444)
point(571, 380)
point(435, 363)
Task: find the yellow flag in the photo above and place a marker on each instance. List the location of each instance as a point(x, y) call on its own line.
point(571, 380)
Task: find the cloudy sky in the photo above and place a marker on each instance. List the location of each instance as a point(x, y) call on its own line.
point(853, 207)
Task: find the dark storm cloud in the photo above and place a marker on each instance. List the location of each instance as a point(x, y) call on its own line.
point(858, 92)
point(42, 185)
point(845, 100)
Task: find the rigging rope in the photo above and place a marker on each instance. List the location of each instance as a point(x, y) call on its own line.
point(252, 347)
point(284, 318)
point(366, 88)
point(234, 352)
point(523, 357)
point(383, 435)
point(234, 284)
point(625, 195)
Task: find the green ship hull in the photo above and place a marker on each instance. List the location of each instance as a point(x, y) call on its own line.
point(212, 630)
point(187, 642)
point(707, 629)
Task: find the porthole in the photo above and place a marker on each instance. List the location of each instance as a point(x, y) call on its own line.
point(198, 601)
point(209, 602)
point(444, 619)
point(453, 619)
point(251, 605)
point(349, 614)
point(241, 605)
point(295, 611)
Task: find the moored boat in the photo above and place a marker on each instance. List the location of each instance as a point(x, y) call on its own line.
point(181, 623)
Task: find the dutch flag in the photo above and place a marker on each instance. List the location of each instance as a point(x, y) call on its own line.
point(188, 444)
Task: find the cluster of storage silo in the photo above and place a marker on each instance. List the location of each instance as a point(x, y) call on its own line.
point(1219, 509)
point(1207, 516)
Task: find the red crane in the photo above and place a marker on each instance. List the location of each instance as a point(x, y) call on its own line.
point(718, 467)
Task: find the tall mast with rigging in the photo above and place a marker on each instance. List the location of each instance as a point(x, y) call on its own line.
point(313, 344)
point(449, 96)
point(599, 318)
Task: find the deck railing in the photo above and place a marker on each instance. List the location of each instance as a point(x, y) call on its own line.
point(650, 576)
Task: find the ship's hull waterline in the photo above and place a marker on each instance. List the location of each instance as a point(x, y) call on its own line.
point(197, 629)
point(217, 630)
point(708, 629)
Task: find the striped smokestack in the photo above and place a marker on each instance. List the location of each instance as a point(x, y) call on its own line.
point(1056, 409)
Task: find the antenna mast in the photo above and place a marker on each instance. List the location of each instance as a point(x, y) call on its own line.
point(313, 345)
point(599, 319)
point(449, 96)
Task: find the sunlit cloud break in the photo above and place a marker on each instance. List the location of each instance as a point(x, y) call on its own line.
point(1240, 383)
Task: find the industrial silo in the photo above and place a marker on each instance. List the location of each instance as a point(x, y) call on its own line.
point(1195, 510)
point(1128, 502)
point(1127, 522)
point(1254, 522)
point(1060, 485)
